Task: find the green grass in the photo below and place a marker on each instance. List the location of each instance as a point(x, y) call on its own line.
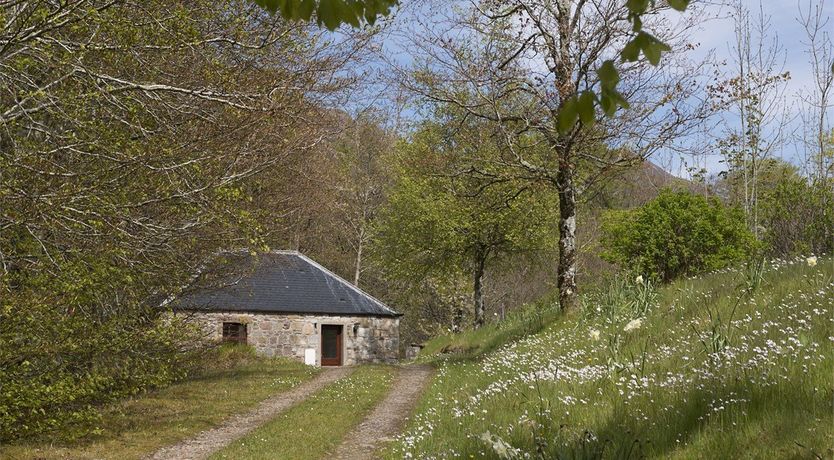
point(711, 372)
point(474, 343)
point(316, 426)
point(132, 429)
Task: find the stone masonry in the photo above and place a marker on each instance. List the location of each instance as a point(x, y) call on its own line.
point(366, 339)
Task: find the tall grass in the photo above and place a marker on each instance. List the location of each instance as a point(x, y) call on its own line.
point(766, 391)
point(473, 343)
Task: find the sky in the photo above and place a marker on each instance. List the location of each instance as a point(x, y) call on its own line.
point(714, 37)
point(717, 34)
point(784, 17)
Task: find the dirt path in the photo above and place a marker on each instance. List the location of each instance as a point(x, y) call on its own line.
point(388, 418)
point(210, 441)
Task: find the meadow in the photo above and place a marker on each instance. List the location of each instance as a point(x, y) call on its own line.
point(734, 364)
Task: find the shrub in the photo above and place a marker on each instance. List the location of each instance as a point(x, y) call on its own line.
point(57, 369)
point(676, 234)
point(798, 216)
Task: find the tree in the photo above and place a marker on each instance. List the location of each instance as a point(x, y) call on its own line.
point(130, 133)
point(754, 106)
point(324, 202)
point(535, 66)
point(333, 13)
point(442, 223)
point(796, 213)
point(361, 183)
point(117, 134)
point(818, 133)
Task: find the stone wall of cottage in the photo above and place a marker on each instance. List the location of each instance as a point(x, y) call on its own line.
point(365, 339)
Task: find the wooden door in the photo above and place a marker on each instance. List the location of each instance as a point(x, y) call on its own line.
point(331, 345)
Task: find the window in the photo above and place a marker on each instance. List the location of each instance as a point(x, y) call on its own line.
point(234, 332)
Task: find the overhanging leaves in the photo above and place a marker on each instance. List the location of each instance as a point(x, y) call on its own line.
point(608, 98)
point(330, 13)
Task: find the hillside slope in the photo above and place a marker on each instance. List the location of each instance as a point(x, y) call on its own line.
point(736, 364)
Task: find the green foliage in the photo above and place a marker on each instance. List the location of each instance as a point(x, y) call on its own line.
point(56, 368)
point(451, 213)
point(676, 234)
point(445, 208)
point(331, 13)
point(798, 215)
point(124, 190)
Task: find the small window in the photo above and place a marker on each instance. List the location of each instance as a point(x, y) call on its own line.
point(234, 332)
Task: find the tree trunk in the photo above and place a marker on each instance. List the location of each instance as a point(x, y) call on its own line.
point(567, 237)
point(478, 295)
point(358, 265)
point(566, 88)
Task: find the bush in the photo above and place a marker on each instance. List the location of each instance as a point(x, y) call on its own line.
point(676, 234)
point(57, 369)
point(798, 216)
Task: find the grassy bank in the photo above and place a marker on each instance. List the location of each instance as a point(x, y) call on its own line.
point(474, 343)
point(234, 381)
point(736, 364)
point(316, 426)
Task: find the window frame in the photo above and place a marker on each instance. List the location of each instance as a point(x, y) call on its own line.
point(238, 335)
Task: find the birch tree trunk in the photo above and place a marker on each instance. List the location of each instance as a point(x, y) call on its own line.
point(478, 295)
point(357, 269)
point(567, 237)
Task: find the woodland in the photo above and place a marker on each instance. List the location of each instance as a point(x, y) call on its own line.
point(455, 162)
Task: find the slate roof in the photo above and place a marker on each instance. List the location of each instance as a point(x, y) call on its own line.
point(285, 282)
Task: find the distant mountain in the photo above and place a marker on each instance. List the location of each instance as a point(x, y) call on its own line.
point(631, 187)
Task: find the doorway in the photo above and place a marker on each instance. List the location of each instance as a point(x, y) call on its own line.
point(331, 345)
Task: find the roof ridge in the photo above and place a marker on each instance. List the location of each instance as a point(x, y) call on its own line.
point(284, 251)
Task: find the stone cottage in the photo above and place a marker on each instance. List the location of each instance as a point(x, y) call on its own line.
point(285, 304)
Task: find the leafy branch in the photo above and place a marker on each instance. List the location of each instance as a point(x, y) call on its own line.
point(330, 13)
point(581, 106)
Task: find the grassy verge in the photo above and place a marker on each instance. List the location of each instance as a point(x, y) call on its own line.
point(316, 426)
point(714, 368)
point(471, 344)
point(235, 382)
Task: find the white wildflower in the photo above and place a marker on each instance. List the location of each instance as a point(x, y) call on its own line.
point(633, 324)
point(811, 261)
point(594, 333)
point(639, 279)
point(503, 449)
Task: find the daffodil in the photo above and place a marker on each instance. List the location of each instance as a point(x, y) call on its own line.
point(594, 333)
point(633, 324)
